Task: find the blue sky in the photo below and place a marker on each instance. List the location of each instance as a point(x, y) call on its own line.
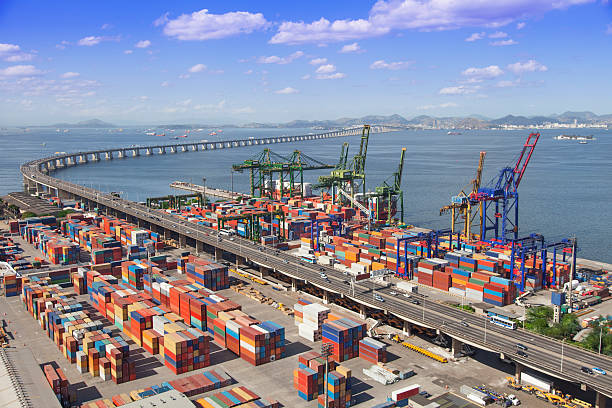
point(218, 61)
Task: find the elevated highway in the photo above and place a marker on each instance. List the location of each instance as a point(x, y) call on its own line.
point(545, 355)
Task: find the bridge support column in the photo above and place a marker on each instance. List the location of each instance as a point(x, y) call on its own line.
point(456, 346)
point(199, 247)
point(518, 370)
point(218, 254)
point(325, 297)
point(263, 271)
point(407, 329)
point(600, 400)
point(182, 241)
point(362, 311)
point(293, 285)
point(240, 261)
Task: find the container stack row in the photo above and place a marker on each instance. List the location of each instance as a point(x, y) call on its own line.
point(344, 335)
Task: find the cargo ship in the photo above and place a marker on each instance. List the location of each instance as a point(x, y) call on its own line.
point(574, 137)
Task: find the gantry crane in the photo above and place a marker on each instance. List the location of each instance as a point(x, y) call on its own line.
point(348, 179)
point(500, 196)
point(265, 165)
point(388, 194)
point(463, 203)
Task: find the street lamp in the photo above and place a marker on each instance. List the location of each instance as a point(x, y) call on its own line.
point(600, 330)
point(562, 343)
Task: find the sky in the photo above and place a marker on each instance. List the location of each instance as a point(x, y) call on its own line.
point(156, 62)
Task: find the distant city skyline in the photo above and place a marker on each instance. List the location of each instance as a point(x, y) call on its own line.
point(240, 61)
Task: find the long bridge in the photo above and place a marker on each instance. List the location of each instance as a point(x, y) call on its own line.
point(545, 354)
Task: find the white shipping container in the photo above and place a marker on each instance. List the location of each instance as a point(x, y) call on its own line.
point(537, 381)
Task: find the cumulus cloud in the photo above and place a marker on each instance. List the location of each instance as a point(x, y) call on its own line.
point(69, 74)
point(508, 84)
point(326, 69)
point(143, 44)
point(318, 61)
point(305, 77)
point(95, 40)
point(458, 90)
point(498, 34)
point(201, 25)
point(527, 66)
point(13, 53)
point(520, 26)
point(273, 59)
point(475, 37)
point(382, 64)
point(197, 68)
point(350, 48)
point(609, 29)
point(165, 84)
point(388, 15)
point(503, 43)
point(128, 52)
point(439, 106)
point(286, 91)
point(106, 26)
point(492, 71)
point(20, 71)
point(336, 75)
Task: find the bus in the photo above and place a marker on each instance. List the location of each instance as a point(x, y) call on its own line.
point(309, 258)
point(226, 232)
point(503, 322)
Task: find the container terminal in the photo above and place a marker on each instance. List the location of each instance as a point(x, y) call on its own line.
point(323, 287)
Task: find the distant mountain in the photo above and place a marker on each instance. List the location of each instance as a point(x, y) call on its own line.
point(92, 123)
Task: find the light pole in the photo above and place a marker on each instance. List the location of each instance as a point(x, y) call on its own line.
point(326, 349)
point(423, 308)
point(600, 330)
point(485, 330)
point(562, 343)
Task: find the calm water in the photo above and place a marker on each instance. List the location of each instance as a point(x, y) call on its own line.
point(567, 189)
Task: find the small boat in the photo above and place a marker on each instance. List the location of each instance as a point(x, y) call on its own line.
point(213, 133)
point(583, 142)
point(453, 133)
point(150, 133)
point(161, 135)
point(182, 136)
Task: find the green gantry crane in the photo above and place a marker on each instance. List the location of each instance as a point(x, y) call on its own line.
point(290, 170)
point(389, 193)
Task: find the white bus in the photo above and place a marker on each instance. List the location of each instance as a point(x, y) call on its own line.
point(226, 232)
point(503, 322)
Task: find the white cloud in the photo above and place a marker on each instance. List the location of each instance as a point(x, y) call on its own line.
point(143, 44)
point(62, 45)
point(388, 15)
point(326, 69)
point(502, 43)
point(520, 26)
point(286, 91)
point(70, 74)
point(439, 106)
point(350, 48)
point(248, 72)
point(245, 109)
point(492, 71)
point(106, 26)
point(200, 25)
point(337, 75)
point(475, 37)
point(273, 59)
point(13, 53)
point(128, 52)
point(508, 84)
point(305, 77)
point(197, 68)
point(165, 84)
point(458, 90)
point(19, 70)
point(318, 61)
point(161, 20)
point(382, 64)
point(95, 40)
point(498, 34)
point(527, 66)
point(184, 76)
point(609, 29)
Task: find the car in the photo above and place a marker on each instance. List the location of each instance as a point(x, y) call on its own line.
point(393, 293)
point(416, 302)
point(522, 353)
point(587, 370)
point(464, 324)
point(322, 269)
point(407, 295)
point(425, 394)
point(521, 346)
point(380, 299)
point(598, 370)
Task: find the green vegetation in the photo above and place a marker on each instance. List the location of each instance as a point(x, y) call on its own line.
point(63, 213)
point(591, 342)
point(466, 308)
point(28, 214)
point(539, 318)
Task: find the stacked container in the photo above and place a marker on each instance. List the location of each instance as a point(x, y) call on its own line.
point(372, 350)
point(313, 316)
point(344, 335)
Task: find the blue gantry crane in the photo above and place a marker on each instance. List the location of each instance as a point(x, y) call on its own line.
point(500, 197)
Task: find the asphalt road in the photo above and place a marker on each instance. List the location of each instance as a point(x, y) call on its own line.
point(543, 354)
